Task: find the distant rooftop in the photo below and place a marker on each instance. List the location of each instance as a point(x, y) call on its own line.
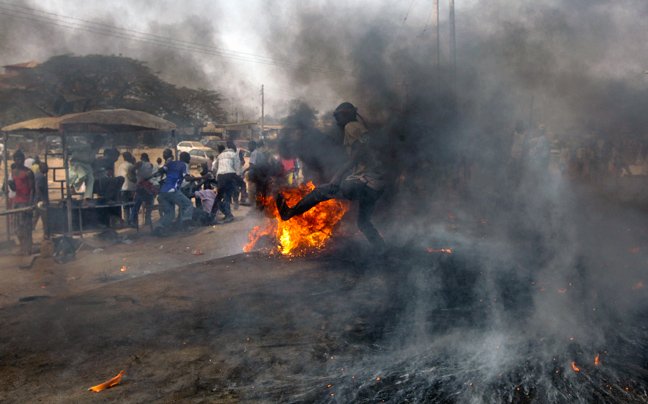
point(26, 65)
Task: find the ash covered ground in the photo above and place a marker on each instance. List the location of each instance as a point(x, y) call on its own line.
point(489, 322)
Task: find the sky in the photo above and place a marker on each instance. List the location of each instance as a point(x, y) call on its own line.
point(325, 43)
point(241, 26)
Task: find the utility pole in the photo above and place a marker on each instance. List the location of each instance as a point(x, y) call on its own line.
point(453, 53)
point(438, 47)
point(262, 111)
point(453, 45)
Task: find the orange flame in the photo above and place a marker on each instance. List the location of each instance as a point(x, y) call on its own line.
point(574, 366)
point(444, 250)
point(597, 360)
point(123, 268)
point(301, 233)
point(103, 386)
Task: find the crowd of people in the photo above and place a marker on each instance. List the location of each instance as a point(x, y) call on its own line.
point(221, 186)
point(588, 159)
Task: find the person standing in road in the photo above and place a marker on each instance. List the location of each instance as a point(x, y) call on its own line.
point(130, 183)
point(170, 195)
point(145, 191)
point(228, 168)
point(23, 185)
point(42, 196)
point(365, 183)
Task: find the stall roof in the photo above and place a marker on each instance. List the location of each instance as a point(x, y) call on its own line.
point(106, 120)
point(49, 123)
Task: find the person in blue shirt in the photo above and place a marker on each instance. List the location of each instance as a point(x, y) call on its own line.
point(170, 195)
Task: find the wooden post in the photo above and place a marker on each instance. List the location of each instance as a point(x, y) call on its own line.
point(6, 172)
point(66, 167)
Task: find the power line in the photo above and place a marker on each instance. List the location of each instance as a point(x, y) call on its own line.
point(162, 41)
point(405, 19)
point(300, 96)
point(112, 27)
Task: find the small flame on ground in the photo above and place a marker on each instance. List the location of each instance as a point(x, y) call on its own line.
point(597, 360)
point(443, 250)
point(574, 366)
point(123, 268)
point(103, 386)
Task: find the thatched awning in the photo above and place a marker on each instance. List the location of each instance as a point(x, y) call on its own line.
point(97, 121)
point(47, 124)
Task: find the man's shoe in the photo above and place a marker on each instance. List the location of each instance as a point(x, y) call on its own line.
point(282, 207)
point(228, 219)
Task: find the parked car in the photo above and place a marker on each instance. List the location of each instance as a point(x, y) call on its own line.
point(213, 144)
point(53, 143)
point(201, 155)
point(207, 139)
point(188, 146)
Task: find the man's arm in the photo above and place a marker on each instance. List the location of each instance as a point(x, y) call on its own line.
point(132, 172)
point(189, 178)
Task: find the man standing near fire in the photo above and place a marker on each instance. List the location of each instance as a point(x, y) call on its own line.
point(365, 184)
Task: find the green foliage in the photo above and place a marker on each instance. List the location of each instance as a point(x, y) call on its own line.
point(67, 83)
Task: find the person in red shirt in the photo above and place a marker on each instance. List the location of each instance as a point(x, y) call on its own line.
point(23, 185)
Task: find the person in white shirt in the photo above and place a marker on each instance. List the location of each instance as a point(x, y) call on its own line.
point(228, 168)
point(129, 187)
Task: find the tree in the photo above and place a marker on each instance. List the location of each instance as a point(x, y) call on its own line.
point(68, 83)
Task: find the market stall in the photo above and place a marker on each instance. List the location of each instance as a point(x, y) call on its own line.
point(68, 215)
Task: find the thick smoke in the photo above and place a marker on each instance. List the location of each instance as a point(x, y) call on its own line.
point(29, 32)
point(554, 282)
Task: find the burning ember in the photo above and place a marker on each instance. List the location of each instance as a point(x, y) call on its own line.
point(301, 233)
point(103, 386)
point(443, 250)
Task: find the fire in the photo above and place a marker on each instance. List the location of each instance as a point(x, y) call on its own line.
point(574, 366)
point(444, 250)
point(597, 360)
point(123, 268)
point(103, 386)
point(307, 231)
